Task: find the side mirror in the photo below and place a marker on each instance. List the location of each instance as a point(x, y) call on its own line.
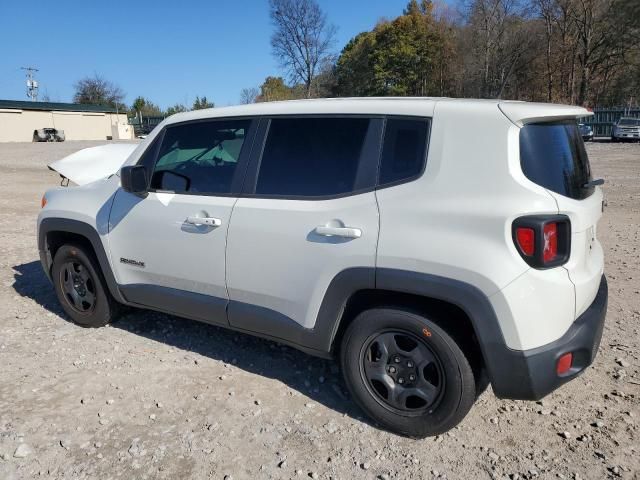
point(134, 179)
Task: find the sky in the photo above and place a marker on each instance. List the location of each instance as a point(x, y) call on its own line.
point(167, 51)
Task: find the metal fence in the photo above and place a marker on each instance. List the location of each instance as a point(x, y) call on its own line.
point(604, 118)
point(145, 126)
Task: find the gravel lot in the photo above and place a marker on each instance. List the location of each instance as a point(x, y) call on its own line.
point(155, 396)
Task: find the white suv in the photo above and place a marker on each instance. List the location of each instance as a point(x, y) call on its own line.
point(430, 263)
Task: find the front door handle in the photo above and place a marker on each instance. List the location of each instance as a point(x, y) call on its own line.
point(345, 232)
point(208, 221)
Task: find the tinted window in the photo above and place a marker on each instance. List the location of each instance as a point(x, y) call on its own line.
point(404, 150)
point(553, 156)
point(199, 157)
point(148, 157)
point(311, 156)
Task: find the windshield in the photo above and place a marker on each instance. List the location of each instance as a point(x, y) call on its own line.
point(629, 121)
point(553, 156)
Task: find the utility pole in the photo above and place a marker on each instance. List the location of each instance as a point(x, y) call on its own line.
point(32, 84)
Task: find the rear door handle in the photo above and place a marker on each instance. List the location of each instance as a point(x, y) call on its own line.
point(208, 221)
point(345, 232)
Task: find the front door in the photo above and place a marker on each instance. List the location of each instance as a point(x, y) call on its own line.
point(168, 248)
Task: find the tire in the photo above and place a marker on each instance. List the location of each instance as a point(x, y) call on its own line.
point(90, 304)
point(440, 377)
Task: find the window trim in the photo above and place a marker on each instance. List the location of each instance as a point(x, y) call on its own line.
point(425, 159)
point(243, 160)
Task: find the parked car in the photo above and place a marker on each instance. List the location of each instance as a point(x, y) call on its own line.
point(627, 128)
point(357, 229)
point(48, 135)
point(586, 131)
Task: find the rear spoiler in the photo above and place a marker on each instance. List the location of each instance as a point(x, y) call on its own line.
point(521, 113)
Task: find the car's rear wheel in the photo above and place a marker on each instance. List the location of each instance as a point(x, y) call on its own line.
point(406, 373)
point(81, 288)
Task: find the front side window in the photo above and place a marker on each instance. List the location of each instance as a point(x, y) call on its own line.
point(312, 157)
point(199, 157)
point(404, 149)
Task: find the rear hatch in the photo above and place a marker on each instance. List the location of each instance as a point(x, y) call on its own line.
point(552, 154)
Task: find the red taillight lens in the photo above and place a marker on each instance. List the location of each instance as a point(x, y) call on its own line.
point(550, 251)
point(564, 363)
point(543, 241)
point(526, 240)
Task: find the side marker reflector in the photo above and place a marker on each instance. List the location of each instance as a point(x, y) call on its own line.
point(564, 363)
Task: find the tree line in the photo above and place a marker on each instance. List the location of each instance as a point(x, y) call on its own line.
point(584, 52)
point(99, 91)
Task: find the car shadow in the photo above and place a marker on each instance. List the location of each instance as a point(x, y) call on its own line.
point(316, 378)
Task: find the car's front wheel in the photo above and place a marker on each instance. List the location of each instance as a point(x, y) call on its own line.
point(406, 372)
point(81, 288)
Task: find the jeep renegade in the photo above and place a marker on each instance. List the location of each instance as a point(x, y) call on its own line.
point(369, 230)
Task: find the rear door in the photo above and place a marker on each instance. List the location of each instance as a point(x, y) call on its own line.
point(169, 246)
point(553, 155)
point(309, 212)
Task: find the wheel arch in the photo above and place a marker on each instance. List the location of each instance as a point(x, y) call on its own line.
point(54, 232)
point(476, 326)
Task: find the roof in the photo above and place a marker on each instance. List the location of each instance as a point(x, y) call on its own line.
point(57, 106)
point(410, 106)
point(422, 106)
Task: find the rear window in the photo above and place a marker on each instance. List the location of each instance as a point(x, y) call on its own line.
point(553, 156)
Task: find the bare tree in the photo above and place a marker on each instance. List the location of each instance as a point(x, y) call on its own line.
point(302, 38)
point(98, 90)
point(249, 95)
point(547, 10)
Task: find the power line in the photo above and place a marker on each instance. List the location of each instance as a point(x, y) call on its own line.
point(32, 83)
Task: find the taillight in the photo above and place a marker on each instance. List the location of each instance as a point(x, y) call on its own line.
point(43, 202)
point(526, 240)
point(543, 241)
point(550, 248)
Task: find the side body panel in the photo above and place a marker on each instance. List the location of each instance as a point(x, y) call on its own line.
point(275, 259)
point(455, 221)
point(88, 205)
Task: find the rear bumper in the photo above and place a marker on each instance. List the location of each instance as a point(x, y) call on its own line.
point(531, 374)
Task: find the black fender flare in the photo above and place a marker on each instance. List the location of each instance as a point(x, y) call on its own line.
point(66, 225)
point(498, 358)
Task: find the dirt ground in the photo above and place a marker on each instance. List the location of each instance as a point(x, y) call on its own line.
point(155, 396)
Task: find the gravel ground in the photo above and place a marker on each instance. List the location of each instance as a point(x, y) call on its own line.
point(155, 396)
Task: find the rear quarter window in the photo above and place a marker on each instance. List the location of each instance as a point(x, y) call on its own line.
point(553, 156)
point(404, 150)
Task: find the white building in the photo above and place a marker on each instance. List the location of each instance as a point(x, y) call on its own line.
point(19, 119)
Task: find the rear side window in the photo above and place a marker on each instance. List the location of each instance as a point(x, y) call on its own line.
point(199, 157)
point(404, 150)
point(312, 157)
point(553, 156)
